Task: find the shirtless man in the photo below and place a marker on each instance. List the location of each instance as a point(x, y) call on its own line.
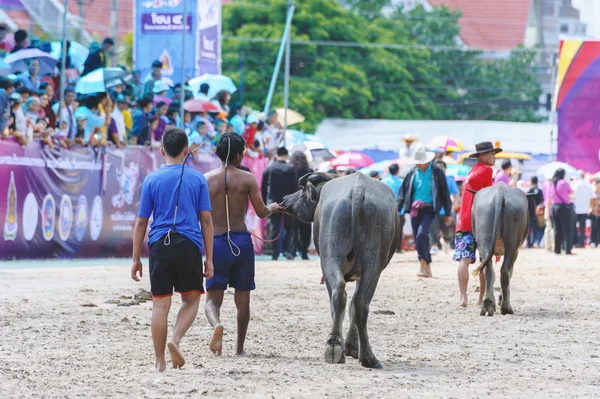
point(233, 255)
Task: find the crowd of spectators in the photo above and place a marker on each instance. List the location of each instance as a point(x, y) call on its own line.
point(136, 112)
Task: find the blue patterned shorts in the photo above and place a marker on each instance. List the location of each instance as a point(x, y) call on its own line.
point(465, 246)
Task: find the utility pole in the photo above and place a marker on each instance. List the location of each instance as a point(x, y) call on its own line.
point(286, 78)
point(184, 33)
point(114, 22)
point(242, 61)
point(63, 61)
point(81, 21)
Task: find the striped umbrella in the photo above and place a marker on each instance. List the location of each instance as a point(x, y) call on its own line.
point(446, 143)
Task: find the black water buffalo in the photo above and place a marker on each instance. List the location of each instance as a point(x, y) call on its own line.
point(356, 232)
point(500, 225)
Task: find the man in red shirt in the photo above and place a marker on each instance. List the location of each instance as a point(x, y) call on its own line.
point(478, 178)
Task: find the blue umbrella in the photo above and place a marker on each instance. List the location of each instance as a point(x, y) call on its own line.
point(216, 83)
point(101, 79)
point(77, 51)
point(457, 170)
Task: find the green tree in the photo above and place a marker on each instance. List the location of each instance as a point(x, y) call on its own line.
point(428, 76)
point(329, 81)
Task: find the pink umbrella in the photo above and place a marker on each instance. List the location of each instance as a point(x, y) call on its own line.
point(355, 160)
point(445, 143)
point(199, 106)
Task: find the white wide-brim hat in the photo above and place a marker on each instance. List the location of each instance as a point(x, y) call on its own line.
point(420, 156)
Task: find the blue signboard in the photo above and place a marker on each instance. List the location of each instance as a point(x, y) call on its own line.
point(158, 35)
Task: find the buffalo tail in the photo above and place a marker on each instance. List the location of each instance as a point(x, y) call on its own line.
point(495, 232)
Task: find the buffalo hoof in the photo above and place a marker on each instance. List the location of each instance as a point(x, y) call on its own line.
point(488, 308)
point(507, 310)
point(371, 363)
point(351, 351)
point(334, 353)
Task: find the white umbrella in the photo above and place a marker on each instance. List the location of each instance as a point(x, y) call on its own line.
point(101, 79)
point(216, 83)
point(18, 61)
point(78, 53)
point(548, 170)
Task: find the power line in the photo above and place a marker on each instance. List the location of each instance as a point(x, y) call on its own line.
point(391, 46)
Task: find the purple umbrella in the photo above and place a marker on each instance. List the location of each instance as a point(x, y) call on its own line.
point(11, 5)
point(18, 61)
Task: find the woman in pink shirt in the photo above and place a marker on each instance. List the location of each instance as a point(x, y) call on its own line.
point(562, 212)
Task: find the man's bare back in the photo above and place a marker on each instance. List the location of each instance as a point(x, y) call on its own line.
point(242, 186)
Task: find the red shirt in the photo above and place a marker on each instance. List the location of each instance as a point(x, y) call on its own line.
point(478, 178)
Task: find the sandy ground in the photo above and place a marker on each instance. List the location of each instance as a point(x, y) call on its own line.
point(52, 346)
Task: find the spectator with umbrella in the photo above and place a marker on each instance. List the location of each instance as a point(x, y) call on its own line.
point(30, 78)
point(21, 40)
point(97, 58)
point(203, 92)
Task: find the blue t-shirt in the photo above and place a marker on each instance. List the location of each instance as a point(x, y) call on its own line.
point(159, 193)
point(395, 183)
point(423, 185)
point(452, 189)
point(93, 121)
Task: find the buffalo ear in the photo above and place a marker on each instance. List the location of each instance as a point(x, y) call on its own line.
point(303, 180)
point(313, 192)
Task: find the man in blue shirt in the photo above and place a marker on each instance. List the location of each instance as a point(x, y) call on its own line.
point(438, 225)
point(395, 183)
point(176, 200)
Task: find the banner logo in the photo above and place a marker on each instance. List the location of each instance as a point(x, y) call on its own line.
point(30, 216)
point(81, 219)
point(127, 178)
point(66, 218)
point(48, 217)
point(96, 218)
point(11, 225)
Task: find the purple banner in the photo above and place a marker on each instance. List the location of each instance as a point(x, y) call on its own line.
point(209, 50)
point(78, 203)
point(158, 22)
point(578, 126)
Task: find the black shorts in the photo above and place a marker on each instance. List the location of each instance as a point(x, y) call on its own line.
point(177, 265)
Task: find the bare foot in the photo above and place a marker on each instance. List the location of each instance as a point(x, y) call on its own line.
point(240, 353)
point(216, 342)
point(160, 365)
point(480, 302)
point(428, 273)
point(463, 303)
point(176, 355)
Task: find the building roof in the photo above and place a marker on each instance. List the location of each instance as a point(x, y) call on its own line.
point(97, 16)
point(491, 24)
